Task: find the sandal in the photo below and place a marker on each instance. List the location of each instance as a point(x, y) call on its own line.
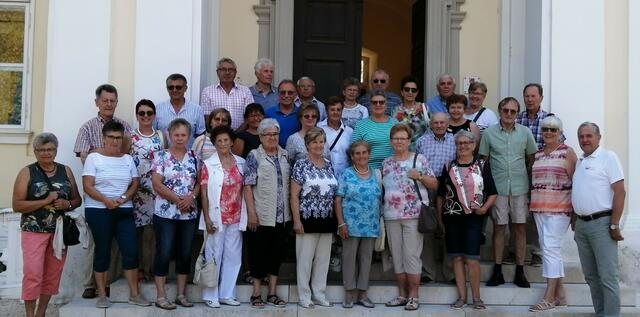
point(560, 302)
point(478, 304)
point(307, 305)
point(542, 306)
point(412, 304)
point(458, 304)
point(398, 301)
point(182, 301)
point(276, 301)
point(162, 302)
point(246, 277)
point(256, 302)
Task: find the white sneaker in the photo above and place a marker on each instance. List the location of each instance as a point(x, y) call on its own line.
point(229, 301)
point(212, 303)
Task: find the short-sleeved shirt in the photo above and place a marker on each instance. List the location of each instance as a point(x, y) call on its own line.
point(289, 123)
point(266, 101)
point(165, 113)
point(354, 114)
point(449, 188)
point(377, 135)
point(180, 177)
point(592, 181)
point(90, 134)
point(438, 151)
point(401, 200)
point(235, 101)
point(393, 100)
point(44, 218)
point(437, 104)
point(142, 151)
point(318, 188)
point(360, 203)
point(486, 119)
point(251, 179)
point(508, 151)
point(230, 195)
point(112, 177)
point(339, 154)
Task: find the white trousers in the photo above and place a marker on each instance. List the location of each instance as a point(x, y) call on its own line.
point(313, 253)
point(226, 248)
point(551, 232)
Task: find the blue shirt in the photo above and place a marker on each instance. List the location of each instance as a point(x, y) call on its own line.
point(437, 151)
point(437, 104)
point(393, 100)
point(189, 111)
point(266, 101)
point(289, 123)
point(360, 203)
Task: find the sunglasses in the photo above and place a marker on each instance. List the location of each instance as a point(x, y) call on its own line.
point(545, 129)
point(410, 89)
point(176, 87)
point(148, 113)
point(379, 81)
point(286, 92)
point(310, 116)
point(378, 102)
point(509, 111)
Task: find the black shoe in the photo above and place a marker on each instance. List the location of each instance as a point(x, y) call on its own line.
point(496, 279)
point(521, 280)
point(425, 279)
point(89, 292)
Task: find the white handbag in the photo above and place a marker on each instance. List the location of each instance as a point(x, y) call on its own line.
point(206, 270)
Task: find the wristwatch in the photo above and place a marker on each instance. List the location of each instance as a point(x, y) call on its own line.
point(614, 227)
point(124, 197)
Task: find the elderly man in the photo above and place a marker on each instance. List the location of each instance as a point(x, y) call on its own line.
point(306, 90)
point(264, 92)
point(439, 148)
point(510, 148)
point(178, 107)
point(598, 201)
point(285, 111)
point(446, 87)
point(380, 80)
point(226, 93)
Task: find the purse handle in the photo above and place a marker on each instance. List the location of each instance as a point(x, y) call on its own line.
point(415, 182)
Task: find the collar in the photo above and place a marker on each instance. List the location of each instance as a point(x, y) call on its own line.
point(442, 139)
point(272, 88)
point(295, 109)
point(102, 119)
point(313, 100)
point(595, 153)
point(540, 114)
point(218, 85)
point(325, 123)
point(503, 129)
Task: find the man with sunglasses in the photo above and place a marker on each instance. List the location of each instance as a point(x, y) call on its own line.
point(285, 111)
point(178, 107)
point(380, 81)
point(306, 88)
point(510, 147)
point(446, 87)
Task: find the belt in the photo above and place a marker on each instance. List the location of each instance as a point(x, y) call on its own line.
point(595, 215)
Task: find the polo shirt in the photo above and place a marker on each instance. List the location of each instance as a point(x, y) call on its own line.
point(165, 113)
point(340, 152)
point(266, 101)
point(508, 153)
point(289, 123)
point(437, 104)
point(592, 182)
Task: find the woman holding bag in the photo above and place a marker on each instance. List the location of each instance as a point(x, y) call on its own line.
point(224, 216)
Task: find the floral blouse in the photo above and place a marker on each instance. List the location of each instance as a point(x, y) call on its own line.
point(414, 118)
point(180, 177)
point(142, 151)
point(360, 203)
point(400, 198)
point(316, 195)
point(231, 195)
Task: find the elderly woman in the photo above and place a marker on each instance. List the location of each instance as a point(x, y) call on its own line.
point(248, 138)
point(224, 216)
point(313, 189)
point(551, 177)
point(110, 180)
point(353, 111)
point(42, 192)
point(401, 174)
point(411, 112)
point(202, 144)
point(266, 193)
point(357, 207)
point(175, 174)
point(375, 129)
point(476, 112)
point(466, 193)
point(457, 122)
point(145, 141)
point(308, 115)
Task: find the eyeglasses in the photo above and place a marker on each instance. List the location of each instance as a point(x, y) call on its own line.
point(410, 89)
point(399, 139)
point(148, 113)
point(113, 137)
point(461, 143)
point(379, 81)
point(226, 70)
point(378, 102)
point(509, 111)
point(175, 87)
point(48, 150)
point(271, 135)
point(545, 129)
point(310, 116)
point(286, 92)
point(306, 86)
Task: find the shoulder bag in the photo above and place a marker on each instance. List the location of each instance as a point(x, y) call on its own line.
point(206, 272)
point(427, 221)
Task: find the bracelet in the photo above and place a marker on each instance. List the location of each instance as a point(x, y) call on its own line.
point(342, 225)
point(70, 205)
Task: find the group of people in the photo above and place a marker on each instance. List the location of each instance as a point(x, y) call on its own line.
point(249, 164)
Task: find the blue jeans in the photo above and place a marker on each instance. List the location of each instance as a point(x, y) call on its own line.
point(106, 224)
point(172, 233)
point(599, 259)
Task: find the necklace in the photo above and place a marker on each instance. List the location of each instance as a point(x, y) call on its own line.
point(153, 132)
point(359, 172)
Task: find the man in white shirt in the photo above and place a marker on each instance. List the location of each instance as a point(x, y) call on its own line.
point(598, 201)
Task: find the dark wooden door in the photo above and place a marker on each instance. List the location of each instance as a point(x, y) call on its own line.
point(327, 43)
point(418, 29)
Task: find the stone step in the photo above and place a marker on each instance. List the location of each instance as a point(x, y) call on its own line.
point(381, 292)
point(85, 308)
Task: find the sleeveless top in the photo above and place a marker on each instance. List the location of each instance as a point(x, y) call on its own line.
point(251, 142)
point(466, 126)
point(551, 192)
point(44, 219)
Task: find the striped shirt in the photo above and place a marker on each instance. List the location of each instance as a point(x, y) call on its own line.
point(90, 134)
point(112, 177)
point(165, 113)
point(551, 192)
point(377, 135)
point(235, 101)
point(437, 151)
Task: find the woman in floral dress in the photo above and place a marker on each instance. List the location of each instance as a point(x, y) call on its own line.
point(411, 112)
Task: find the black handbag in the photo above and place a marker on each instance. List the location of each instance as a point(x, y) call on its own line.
point(70, 232)
point(427, 220)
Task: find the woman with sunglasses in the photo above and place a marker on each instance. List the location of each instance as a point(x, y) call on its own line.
point(308, 115)
point(375, 129)
point(411, 112)
point(145, 141)
point(202, 144)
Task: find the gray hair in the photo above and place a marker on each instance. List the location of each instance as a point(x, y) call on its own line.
point(268, 123)
point(226, 60)
point(445, 114)
point(304, 78)
point(464, 133)
point(177, 123)
point(44, 138)
point(262, 62)
point(551, 121)
point(593, 126)
point(443, 76)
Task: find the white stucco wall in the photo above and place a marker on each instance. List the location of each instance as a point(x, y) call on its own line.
point(239, 37)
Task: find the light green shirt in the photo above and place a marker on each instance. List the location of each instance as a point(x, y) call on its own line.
point(507, 152)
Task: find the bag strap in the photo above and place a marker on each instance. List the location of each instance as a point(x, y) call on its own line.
point(378, 174)
point(415, 182)
point(336, 140)
point(204, 241)
point(475, 119)
point(425, 113)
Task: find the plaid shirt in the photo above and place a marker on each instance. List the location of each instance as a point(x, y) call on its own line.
point(534, 126)
point(90, 134)
point(235, 101)
point(438, 152)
